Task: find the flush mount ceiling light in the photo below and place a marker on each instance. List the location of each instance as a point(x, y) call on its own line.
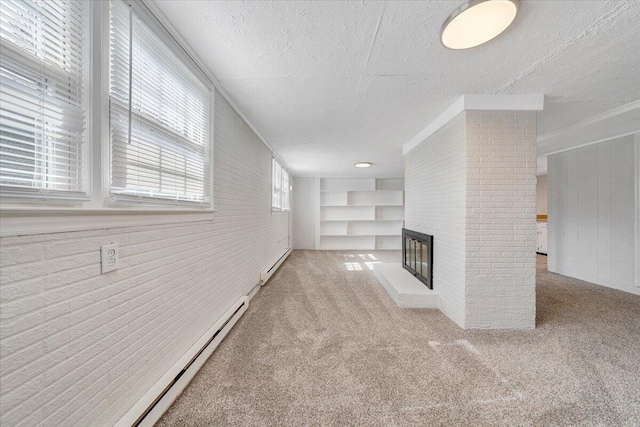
point(362, 164)
point(478, 21)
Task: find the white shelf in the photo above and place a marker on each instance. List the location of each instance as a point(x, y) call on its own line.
point(333, 228)
point(347, 242)
point(345, 213)
point(389, 242)
point(333, 198)
point(375, 198)
point(390, 184)
point(389, 212)
point(359, 235)
point(387, 228)
point(359, 220)
point(360, 214)
point(337, 184)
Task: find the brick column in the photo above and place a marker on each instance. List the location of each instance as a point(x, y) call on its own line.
point(471, 184)
point(500, 219)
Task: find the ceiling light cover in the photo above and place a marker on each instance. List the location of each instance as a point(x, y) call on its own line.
point(362, 164)
point(478, 21)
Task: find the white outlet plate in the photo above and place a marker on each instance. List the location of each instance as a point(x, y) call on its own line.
point(110, 257)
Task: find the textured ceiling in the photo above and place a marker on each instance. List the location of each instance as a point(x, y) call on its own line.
point(328, 84)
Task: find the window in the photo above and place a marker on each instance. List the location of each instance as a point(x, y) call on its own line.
point(67, 144)
point(43, 151)
point(280, 187)
point(160, 114)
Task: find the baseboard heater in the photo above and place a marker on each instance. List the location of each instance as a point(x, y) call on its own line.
point(148, 410)
point(266, 274)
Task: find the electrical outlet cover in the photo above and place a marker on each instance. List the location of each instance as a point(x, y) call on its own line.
point(110, 258)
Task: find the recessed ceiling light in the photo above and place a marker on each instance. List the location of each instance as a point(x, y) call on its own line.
point(478, 21)
point(362, 164)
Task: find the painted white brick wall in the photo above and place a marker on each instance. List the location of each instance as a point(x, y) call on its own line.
point(304, 213)
point(79, 347)
point(501, 219)
point(592, 213)
point(435, 186)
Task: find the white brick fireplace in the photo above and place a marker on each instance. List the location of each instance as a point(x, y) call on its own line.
point(470, 182)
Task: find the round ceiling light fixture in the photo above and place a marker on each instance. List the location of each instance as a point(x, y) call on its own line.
point(362, 164)
point(478, 21)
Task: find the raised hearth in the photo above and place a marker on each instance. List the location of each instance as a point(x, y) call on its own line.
point(405, 290)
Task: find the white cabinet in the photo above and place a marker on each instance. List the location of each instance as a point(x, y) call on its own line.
point(360, 213)
point(541, 245)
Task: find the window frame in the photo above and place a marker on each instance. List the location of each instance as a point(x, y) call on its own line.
point(18, 198)
point(20, 216)
point(275, 162)
point(145, 11)
point(97, 139)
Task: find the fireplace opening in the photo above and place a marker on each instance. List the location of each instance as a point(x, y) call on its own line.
point(417, 255)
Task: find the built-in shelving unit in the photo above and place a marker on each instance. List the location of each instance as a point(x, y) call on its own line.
point(361, 213)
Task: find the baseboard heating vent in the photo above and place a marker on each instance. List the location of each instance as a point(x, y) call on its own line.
point(150, 408)
point(266, 274)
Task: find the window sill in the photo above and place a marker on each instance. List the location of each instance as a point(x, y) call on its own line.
point(47, 220)
point(280, 211)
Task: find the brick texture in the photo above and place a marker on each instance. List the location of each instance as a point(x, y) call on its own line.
point(435, 186)
point(472, 186)
point(500, 219)
point(80, 347)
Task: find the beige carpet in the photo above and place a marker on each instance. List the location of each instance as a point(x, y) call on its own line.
point(323, 344)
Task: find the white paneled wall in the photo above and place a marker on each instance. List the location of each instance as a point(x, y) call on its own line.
point(435, 186)
point(80, 347)
point(541, 195)
point(592, 213)
point(304, 213)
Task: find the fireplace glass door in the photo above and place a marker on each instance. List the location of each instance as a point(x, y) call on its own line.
point(418, 255)
point(423, 267)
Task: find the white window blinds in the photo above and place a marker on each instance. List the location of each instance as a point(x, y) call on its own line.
point(279, 186)
point(42, 99)
point(160, 113)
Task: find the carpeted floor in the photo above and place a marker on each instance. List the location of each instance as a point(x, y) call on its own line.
point(323, 344)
